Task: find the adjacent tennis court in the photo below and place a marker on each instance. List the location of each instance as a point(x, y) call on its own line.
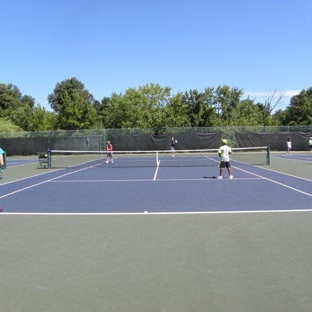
point(156, 234)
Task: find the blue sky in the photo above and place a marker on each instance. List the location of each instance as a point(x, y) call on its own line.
point(259, 46)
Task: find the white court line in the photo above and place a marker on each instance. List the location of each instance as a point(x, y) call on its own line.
point(46, 181)
point(276, 182)
point(17, 163)
point(204, 179)
point(154, 213)
point(33, 176)
point(148, 180)
point(293, 157)
point(156, 172)
point(287, 174)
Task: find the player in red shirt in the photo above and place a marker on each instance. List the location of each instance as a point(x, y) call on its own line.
point(109, 148)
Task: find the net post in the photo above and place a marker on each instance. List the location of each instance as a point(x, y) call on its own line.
point(157, 159)
point(268, 158)
point(49, 159)
point(4, 161)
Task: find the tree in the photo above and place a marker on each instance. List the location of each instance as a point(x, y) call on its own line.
point(299, 111)
point(100, 108)
point(122, 111)
point(226, 102)
point(10, 98)
point(18, 108)
point(42, 120)
point(73, 105)
point(153, 100)
point(278, 118)
point(8, 126)
point(199, 106)
point(209, 115)
point(75, 113)
point(266, 109)
point(246, 113)
point(28, 100)
point(176, 112)
point(22, 113)
point(143, 107)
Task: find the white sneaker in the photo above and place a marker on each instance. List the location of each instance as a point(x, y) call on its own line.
point(219, 178)
point(231, 177)
point(107, 161)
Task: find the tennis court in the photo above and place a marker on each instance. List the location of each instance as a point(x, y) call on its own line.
point(134, 236)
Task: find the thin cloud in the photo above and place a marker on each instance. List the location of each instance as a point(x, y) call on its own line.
point(291, 93)
point(265, 94)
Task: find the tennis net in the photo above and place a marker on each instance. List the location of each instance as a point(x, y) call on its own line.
point(181, 158)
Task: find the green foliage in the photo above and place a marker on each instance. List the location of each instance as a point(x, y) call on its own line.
point(226, 101)
point(299, 112)
point(21, 116)
point(144, 107)
point(10, 98)
point(71, 87)
point(278, 118)
point(42, 120)
point(197, 108)
point(73, 105)
point(176, 112)
point(246, 113)
point(75, 113)
point(8, 126)
point(153, 100)
point(150, 107)
point(121, 111)
point(21, 111)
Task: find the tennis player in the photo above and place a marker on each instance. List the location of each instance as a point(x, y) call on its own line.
point(172, 147)
point(1, 161)
point(289, 146)
point(109, 148)
point(224, 153)
point(1, 166)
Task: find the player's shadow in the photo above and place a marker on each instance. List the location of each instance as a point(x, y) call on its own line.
point(213, 177)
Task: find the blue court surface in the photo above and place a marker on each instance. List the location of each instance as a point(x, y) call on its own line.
point(112, 237)
point(110, 188)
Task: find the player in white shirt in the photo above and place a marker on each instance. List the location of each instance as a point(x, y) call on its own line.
point(289, 146)
point(224, 153)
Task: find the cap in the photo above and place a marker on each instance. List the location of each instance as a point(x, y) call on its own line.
point(224, 141)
